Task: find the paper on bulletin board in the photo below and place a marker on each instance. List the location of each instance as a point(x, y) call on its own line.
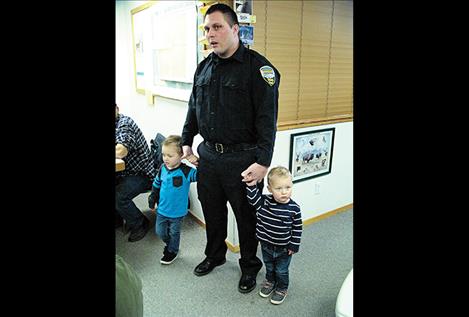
point(203, 9)
point(243, 6)
point(246, 34)
point(246, 18)
point(203, 41)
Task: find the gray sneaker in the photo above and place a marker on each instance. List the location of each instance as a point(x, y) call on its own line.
point(266, 289)
point(278, 297)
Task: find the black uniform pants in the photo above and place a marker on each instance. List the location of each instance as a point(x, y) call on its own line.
point(219, 181)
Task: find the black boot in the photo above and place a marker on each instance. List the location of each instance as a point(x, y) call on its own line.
point(140, 232)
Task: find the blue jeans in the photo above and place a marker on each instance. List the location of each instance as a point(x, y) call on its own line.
point(169, 230)
point(277, 261)
point(127, 188)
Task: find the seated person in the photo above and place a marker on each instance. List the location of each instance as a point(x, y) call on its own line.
point(137, 177)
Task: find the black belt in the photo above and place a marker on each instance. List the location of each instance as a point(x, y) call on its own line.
point(230, 148)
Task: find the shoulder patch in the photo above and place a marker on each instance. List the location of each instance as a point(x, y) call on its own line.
point(268, 74)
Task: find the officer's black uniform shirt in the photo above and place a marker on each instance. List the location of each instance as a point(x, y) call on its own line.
point(232, 102)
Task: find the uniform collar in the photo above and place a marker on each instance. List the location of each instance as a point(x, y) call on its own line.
point(237, 55)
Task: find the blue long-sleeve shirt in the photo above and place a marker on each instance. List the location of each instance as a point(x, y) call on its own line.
point(173, 186)
point(277, 223)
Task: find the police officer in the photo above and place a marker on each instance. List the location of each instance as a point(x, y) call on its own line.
point(233, 106)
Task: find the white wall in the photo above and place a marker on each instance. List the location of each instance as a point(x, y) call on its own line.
point(336, 188)
point(167, 116)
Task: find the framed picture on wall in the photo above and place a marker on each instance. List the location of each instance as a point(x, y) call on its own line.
point(311, 154)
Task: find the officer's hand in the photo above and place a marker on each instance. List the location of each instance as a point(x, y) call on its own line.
point(254, 182)
point(255, 172)
point(189, 155)
point(186, 151)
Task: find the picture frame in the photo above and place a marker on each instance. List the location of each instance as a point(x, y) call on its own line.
point(311, 154)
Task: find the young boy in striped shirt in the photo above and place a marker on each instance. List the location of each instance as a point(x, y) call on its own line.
point(279, 227)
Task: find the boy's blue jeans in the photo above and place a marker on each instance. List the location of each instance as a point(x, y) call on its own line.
point(169, 230)
point(277, 261)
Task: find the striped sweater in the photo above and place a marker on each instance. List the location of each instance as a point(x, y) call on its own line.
point(277, 223)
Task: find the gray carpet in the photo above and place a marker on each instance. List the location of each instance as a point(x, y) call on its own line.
point(316, 273)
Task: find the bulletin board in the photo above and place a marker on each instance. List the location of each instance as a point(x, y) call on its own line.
point(165, 47)
point(174, 31)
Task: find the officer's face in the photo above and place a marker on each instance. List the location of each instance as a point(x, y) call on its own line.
point(222, 38)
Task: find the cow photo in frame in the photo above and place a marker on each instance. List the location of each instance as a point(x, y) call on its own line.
point(311, 153)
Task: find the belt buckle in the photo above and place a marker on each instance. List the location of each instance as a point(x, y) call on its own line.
point(219, 147)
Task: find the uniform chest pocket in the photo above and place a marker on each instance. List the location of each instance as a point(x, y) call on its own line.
point(201, 90)
point(177, 181)
point(236, 98)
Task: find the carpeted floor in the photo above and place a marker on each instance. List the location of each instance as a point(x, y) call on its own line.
point(316, 273)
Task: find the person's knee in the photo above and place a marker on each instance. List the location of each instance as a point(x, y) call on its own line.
point(122, 197)
point(122, 202)
point(174, 233)
point(283, 271)
point(159, 231)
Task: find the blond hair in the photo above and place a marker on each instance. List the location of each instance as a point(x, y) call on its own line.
point(278, 171)
point(174, 140)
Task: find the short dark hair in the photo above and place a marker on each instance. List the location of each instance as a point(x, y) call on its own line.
point(230, 15)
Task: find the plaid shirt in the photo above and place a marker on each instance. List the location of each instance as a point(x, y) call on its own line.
point(138, 160)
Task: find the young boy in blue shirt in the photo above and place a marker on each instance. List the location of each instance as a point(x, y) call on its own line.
point(170, 191)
